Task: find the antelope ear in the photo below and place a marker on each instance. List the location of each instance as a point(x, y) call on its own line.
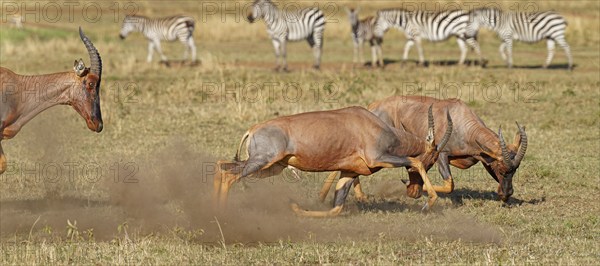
point(517, 139)
point(79, 68)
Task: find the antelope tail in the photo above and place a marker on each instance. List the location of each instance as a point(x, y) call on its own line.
point(239, 149)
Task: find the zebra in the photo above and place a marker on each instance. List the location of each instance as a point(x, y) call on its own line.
point(282, 26)
point(433, 26)
point(167, 28)
point(521, 26)
point(362, 30)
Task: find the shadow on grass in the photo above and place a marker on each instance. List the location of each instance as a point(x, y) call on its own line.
point(180, 63)
point(408, 62)
point(554, 66)
point(458, 195)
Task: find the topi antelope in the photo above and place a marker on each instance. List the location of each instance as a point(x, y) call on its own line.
point(471, 141)
point(351, 140)
point(23, 97)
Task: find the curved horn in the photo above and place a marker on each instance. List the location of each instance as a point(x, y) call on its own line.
point(430, 126)
point(448, 133)
point(522, 147)
point(505, 155)
point(95, 60)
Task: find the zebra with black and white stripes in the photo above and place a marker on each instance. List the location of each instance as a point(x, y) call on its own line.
point(282, 26)
point(363, 31)
point(525, 27)
point(168, 28)
point(432, 26)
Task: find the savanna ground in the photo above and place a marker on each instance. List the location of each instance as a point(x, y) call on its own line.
point(139, 191)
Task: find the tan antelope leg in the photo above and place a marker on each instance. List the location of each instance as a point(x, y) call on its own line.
point(359, 195)
point(235, 172)
point(432, 196)
point(327, 186)
point(2, 160)
point(447, 188)
point(341, 191)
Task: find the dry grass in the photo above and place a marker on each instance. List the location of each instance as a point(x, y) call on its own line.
point(166, 125)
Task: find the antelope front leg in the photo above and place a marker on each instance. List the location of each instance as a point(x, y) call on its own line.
point(444, 168)
point(359, 195)
point(432, 195)
point(2, 160)
point(341, 192)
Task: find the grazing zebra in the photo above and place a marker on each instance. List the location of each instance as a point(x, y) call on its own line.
point(362, 30)
point(525, 27)
point(282, 26)
point(433, 26)
point(168, 28)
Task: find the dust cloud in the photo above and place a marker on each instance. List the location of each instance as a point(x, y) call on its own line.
point(170, 195)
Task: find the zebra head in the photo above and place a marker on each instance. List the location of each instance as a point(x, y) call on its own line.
point(353, 15)
point(259, 9)
point(129, 24)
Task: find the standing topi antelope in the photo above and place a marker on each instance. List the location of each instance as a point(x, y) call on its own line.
point(433, 26)
point(351, 140)
point(521, 26)
point(283, 26)
point(471, 141)
point(362, 31)
point(23, 97)
point(169, 29)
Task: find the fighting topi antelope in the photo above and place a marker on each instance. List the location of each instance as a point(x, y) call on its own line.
point(471, 141)
point(169, 29)
point(351, 140)
point(294, 25)
point(525, 27)
point(79, 88)
point(362, 31)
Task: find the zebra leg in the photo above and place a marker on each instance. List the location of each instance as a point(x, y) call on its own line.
point(276, 46)
point(315, 41)
point(550, 44)
point(509, 44)
point(475, 45)
point(420, 51)
point(502, 54)
point(150, 51)
point(163, 58)
point(284, 56)
point(463, 50)
point(563, 43)
point(373, 55)
point(355, 57)
point(361, 58)
point(407, 47)
point(192, 46)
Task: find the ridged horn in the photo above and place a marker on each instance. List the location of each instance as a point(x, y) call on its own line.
point(430, 126)
point(522, 147)
point(95, 60)
point(448, 133)
point(505, 155)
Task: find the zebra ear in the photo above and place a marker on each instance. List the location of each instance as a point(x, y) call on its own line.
point(348, 10)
